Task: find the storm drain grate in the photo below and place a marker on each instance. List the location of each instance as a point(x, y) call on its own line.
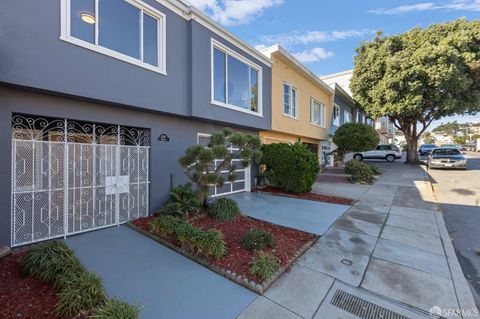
point(362, 308)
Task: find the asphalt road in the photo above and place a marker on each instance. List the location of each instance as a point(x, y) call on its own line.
point(458, 192)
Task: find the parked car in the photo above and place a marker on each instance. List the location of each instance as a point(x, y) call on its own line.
point(447, 157)
point(426, 149)
point(387, 152)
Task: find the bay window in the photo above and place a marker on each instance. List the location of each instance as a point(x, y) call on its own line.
point(290, 100)
point(128, 30)
point(236, 82)
point(317, 113)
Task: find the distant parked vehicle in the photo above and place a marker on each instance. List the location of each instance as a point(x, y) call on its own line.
point(426, 149)
point(387, 152)
point(447, 157)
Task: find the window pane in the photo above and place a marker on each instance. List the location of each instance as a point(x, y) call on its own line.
point(219, 76)
point(286, 99)
point(254, 90)
point(238, 83)
point(294, 102)
point(150, 37)
point(82, 16)
point(119, 27)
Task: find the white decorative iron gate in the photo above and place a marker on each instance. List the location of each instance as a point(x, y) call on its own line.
point(70, 177)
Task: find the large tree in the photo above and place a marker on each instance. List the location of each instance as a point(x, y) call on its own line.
point(420, 76)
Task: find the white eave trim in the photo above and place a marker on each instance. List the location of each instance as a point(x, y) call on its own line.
point(189, 12)
point(277, 48)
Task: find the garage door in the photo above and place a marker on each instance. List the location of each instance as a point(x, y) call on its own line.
point(240, 184)
point(70, 177)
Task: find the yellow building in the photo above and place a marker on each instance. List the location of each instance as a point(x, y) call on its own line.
point(301, 103)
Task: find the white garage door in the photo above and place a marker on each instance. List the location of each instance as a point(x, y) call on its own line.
point(70, 177)
point(240, 184)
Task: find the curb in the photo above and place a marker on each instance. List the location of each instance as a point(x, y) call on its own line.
point(465, 298)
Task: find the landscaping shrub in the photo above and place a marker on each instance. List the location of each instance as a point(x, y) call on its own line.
point(257, 239)
point(79, 291)
point(224, 209)
point(264, 265)
point(293, 168)
point(375, 170)
point(361, 172)
point(183, 201)
point(50, 261)
point(80, 294)
point(115, 308)
point(354, 137)
point(208, 243)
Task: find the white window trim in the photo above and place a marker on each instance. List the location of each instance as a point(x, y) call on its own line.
point(321, 113)
point(217, 45)
point(290, 94)
point(161, 36)
point(336, 119)
point(345, 112)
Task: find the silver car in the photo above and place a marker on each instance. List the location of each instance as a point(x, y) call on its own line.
point(447, 157)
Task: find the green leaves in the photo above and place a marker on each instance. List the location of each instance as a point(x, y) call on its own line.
point(264, 265)
point(115, 308)
point(355, 137)
point(224, 209)
point(293, 168)
point(420, 75)
point(183, 201)
point(257, 239)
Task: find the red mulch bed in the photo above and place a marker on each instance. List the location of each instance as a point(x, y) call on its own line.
point(237, 259)
point(20, 297)
point(309, 196)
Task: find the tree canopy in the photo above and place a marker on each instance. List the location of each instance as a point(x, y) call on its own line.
point(355, 137)
point(420, 76)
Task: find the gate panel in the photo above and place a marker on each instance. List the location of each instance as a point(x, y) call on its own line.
point(37, 191)
point(70, 177)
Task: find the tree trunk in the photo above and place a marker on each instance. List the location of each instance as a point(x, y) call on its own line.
point(412, 154)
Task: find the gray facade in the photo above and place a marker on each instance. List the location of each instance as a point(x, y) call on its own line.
point(42, 75)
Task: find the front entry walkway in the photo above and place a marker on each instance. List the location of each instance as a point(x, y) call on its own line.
point(310, 216)
point(166, 284)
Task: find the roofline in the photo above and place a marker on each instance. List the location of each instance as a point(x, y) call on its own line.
point(188, 12)
point(334, 75)
point(345, 94)
point(279, 49)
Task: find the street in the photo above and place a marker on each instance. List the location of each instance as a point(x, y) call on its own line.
point(458, 192)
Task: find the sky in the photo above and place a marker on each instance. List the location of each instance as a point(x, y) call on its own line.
point(323, 35)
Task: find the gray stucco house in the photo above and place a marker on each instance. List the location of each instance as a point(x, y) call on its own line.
point(100, 98)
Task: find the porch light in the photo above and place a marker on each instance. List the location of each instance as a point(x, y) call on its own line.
point(87, 17)
point(163, 138)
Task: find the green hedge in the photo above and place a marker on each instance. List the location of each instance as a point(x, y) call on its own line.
point(209, 243)
point(291, 167)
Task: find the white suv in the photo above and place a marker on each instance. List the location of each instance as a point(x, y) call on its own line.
point(387, 152)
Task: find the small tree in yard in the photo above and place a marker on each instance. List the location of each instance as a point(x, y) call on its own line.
point(420, 76)
point(354, 137)
point(224, 146)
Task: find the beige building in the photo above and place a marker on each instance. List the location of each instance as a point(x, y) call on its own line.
point(301, 103)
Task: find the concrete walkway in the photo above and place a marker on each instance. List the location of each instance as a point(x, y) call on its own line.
point(310, 216)
point(391, 250)
point(165, 283)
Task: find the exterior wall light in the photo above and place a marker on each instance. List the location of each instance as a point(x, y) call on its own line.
point(163, 138)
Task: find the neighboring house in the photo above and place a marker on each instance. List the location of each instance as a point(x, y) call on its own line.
point(99, 100)
point(384, 127)
point(301, 103)
point(345, 110)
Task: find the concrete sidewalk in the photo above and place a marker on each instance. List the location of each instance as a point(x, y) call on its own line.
point(389, 253)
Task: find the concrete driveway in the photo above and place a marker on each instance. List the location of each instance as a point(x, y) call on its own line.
point(165, 283)
point(310, 216)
